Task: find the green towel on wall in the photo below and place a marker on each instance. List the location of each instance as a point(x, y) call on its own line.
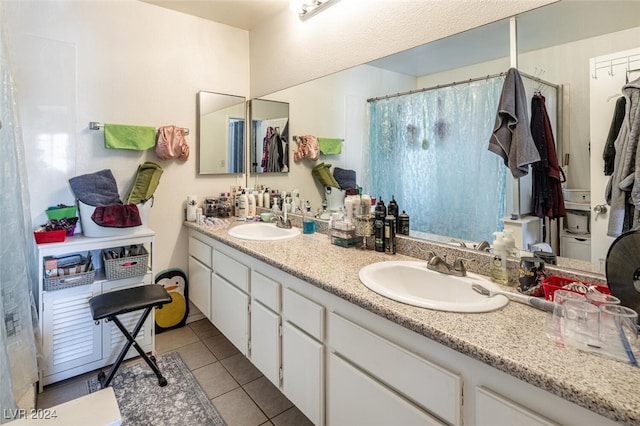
point(330, 146)
point(120, 136)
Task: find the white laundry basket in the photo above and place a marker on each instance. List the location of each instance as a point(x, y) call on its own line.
point(92, 229)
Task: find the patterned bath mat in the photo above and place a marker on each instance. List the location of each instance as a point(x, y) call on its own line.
point(143, 402)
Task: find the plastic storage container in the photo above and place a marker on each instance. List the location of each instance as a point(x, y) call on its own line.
point(554, 282)
point(43, 237)
point(92, 229)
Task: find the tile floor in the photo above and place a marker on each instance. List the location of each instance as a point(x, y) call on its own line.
point(242, 395)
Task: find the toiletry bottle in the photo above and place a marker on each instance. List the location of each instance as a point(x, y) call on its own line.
point(509, 243)
point(390, 234)
point(365, 204)
point(348, 209)
point(499, 272)
point(260, 198)
point(266, 199)
point(242, 205)
point(380, 214)
point(308, 224)
point(251, 204)
point(403, 223)
point(392, 208)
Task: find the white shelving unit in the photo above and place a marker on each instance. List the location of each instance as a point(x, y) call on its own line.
point(72, 343)
point(575, 246)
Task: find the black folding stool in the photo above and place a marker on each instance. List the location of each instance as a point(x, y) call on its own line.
point(118, 302)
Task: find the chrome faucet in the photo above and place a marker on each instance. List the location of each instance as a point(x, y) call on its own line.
point(281, 221)
point(483, 246)
point(438, 264)
point(459, 242)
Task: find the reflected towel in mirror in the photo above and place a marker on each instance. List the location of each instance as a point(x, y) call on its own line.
point(511, 138)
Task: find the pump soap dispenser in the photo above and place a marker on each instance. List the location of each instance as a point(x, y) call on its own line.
point(499, 272)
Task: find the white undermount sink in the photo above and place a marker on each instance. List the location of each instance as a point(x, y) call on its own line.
point(261, 231)
point(412, 283)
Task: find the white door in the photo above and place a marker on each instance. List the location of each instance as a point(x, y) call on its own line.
point(265, 341)
point(230, 312)
point(200, 286)
point(71, 337)
point(604, 91)
point(303, 371)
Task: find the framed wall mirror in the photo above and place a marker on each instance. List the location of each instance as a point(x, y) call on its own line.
point(269, 147)
point(221, 133)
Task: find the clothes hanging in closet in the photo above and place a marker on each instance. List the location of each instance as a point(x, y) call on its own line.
point(275, 151)
point(547, 197)
point(623, 190)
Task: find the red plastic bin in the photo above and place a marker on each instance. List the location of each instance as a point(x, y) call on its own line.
point(50, 236)
point(554, 282)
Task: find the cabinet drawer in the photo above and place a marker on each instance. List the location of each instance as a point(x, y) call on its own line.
point(354, 398)
point(429, 385)
point(496, 410)
point(304, 313)
point(234, 272)
point(266, 290)
point(200, 251)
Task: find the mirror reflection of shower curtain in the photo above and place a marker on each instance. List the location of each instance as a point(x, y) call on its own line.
point(236, 146)
point(429, 150)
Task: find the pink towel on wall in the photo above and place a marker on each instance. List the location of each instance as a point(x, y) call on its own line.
point(307, 147)
point(172, 143)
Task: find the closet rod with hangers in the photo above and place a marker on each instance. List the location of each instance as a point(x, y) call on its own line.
point(457, 83)
point(96, 125)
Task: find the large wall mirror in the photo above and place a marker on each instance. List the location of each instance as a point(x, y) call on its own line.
point(221, 133)
point(555, 43)
point(269, 148)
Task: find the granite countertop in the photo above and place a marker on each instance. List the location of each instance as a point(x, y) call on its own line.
point(511, 340)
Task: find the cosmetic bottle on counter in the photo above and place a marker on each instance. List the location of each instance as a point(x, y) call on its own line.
point(378, 225)
point(308, 224)
point(403, 223)
point(242, 205)
point(390, 234)
point(392, 208)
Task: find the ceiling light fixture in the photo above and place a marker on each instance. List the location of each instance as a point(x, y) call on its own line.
point(308, 8)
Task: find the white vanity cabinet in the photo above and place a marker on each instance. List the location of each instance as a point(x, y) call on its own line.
point(230, 299)
point(408, 384)
point(266, 326)
point(497, 410)
point(200, 271)
point(303, 352)
point(341, 364)
point(72, 342)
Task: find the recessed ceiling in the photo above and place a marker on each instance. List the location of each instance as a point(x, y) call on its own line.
point(244, 14)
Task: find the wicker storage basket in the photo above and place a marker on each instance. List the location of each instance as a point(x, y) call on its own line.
point(125, 267)
point(66, 281)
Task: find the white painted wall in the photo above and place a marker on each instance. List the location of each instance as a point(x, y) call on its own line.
point(286, 51)
point(118, 62)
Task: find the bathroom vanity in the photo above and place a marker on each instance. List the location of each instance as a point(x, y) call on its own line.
point(346, 355)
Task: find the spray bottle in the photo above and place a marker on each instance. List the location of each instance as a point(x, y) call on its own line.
point(380, 214)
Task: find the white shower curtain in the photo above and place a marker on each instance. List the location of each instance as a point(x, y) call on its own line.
point(18, 366)
point(429, 151)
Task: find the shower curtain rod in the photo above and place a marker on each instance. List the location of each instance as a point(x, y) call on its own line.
point(456, 83)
